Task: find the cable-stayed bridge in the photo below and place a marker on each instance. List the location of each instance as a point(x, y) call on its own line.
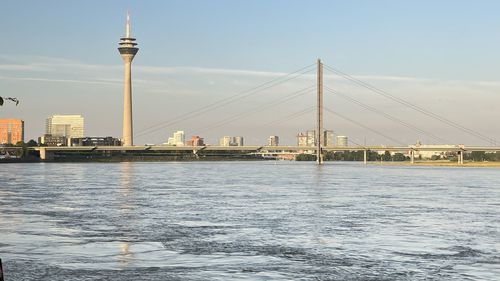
point(318, 88)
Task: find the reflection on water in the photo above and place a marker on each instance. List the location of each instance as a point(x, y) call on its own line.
point(124, 191)
point(125, 255)
point(248, 221)
point(125, 188)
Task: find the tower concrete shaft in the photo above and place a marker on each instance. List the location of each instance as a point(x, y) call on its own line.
point(128, 50)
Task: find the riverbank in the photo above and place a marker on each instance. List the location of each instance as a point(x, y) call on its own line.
point(438, 163)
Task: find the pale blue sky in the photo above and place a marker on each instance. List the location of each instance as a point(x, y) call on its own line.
point(64, 52)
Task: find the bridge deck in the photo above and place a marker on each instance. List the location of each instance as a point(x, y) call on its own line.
point(265, 148)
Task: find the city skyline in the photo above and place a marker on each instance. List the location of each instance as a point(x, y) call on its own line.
point(51, 80)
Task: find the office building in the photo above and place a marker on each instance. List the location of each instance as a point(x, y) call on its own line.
point(328, 138)
point(177, 139)
point(95, 141)
point(273, 141)
point(301, 139)
point(50, 140)
point(231, 141)
point(238, 141)
point(342, 141)
point(225, 141)
point(69, 126)
point(311, 138)
point(11, 131)
point(307, 139)
point(195, 141)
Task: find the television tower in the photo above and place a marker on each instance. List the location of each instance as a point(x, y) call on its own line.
point(127, 51)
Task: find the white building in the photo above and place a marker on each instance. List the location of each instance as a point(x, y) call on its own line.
point(342, 141)
point(307, 139)
point(311, 138)
point(225, 141)
point(425, 151)
point(273, 141)
point(178, 139)
point(231, 141)
point(69, 126)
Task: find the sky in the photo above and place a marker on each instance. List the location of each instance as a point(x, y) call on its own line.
point(60, 57)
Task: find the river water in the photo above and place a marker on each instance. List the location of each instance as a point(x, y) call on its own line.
point(248, 221)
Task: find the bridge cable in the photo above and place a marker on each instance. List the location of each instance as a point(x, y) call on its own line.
point(291, 116)
point(388, 116)
point(359, 145)
point(225, 101)
point(411, 105)
point(364, 126)
point(241, 115)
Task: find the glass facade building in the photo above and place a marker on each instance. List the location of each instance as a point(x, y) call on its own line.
point(69, 126)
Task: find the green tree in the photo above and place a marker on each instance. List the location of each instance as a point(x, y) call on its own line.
point(305, 157)
point(20, 143)
point(387, 156)
point(329, 156)
point(399, 157)
point(435, 157)
point(478, 156)
point(31, 143)
point(373, 156)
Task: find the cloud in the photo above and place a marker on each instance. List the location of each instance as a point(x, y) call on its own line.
point(65, 66)
point(21, 67)
point(55, 80)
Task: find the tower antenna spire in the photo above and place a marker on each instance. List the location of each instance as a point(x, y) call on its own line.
point(127, 26)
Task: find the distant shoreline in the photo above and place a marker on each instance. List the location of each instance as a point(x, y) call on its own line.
point(437, 163)
point(143, 159)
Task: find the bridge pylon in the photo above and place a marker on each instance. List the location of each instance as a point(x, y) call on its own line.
point(319, 129)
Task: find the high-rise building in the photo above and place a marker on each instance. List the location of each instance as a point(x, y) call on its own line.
point(225, 141)
point(311, 138)
point(11, 131)
point(128, 50)
point(177, 139)
point(238, 141)
point(273, 141)
point(328, 138)
point(342, 141)
point(307, 139)
point(231, 141)
point(69, 126)
point(195, 141)
point(301, 139)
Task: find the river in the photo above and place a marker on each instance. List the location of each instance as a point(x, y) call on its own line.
point(248, 221)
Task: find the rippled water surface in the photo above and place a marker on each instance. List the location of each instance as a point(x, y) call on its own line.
point(248, 221)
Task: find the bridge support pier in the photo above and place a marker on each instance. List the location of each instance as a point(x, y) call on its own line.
point(460, 156)
point(365, 160)
point(46, 155)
